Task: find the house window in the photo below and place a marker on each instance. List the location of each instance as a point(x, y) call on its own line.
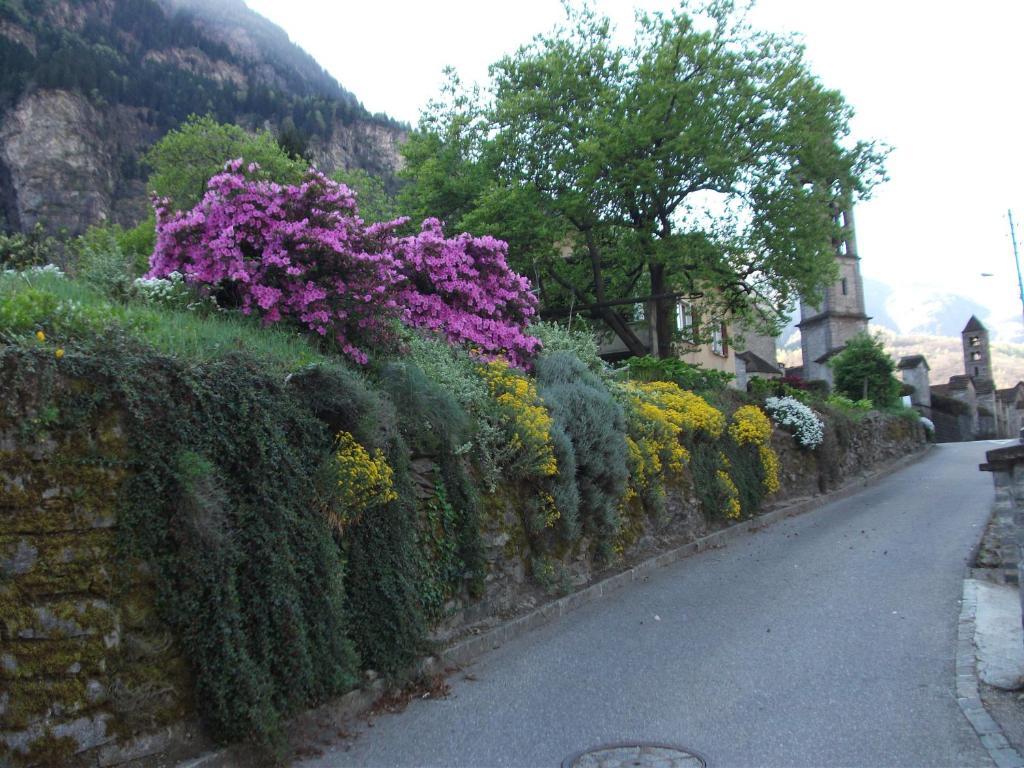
point(719, 340)
point(684, 319)
point(843, 282)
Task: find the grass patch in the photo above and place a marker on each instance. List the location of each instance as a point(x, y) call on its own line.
point(69, 311)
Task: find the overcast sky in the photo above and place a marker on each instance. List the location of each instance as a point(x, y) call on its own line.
point(938, 80)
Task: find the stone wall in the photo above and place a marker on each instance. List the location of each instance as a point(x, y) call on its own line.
point(85, 666)
point(89, 676)
point(1003, 544)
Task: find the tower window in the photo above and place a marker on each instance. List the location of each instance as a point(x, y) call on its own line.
point(975, 355)
point(843, 282)
point(974, 341)
point(975, 370)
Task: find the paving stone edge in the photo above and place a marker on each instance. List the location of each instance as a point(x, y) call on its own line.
point(990, 733)
point(466, 651)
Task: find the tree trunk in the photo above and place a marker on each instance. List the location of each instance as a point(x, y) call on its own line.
point(662, 312)
point(614, 320)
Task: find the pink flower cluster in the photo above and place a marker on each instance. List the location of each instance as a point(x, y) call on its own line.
point(302, 252)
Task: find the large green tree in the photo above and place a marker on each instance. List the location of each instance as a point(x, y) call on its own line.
point(183, 161)
point(703, 158)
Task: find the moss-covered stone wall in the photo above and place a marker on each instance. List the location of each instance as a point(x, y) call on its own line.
point(84, 664)
point(86, 668)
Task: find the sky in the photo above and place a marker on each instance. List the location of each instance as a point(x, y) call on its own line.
point(937, 80)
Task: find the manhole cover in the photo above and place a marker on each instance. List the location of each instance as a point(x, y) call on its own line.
point(636, 755)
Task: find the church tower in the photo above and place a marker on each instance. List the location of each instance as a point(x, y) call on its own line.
point(825, 329)
point(977, 362)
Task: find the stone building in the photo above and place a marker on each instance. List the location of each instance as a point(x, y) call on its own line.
point(1010, 410)
point(993, 413)
point(825, 328)
point(955, 410)
point(914, 372)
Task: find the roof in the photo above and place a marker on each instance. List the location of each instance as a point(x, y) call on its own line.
point(795, 371)
point(757, 364)
point(959, 382)
point(1010, 394)
point(913, 361)
point(974, 324)
point(984, 386)
point(939, 389)
point(830, 354)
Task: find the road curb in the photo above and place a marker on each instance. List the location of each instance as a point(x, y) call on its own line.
point(466, 651)
point(967, 695)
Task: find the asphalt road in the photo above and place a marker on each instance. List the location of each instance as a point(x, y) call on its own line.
point(825, 640)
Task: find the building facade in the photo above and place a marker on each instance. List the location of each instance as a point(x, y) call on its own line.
point(825, 328)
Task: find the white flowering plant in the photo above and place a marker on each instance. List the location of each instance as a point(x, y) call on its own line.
point(172, 292)
point(808, 429)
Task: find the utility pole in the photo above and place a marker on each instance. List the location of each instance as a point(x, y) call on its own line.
point(1016, 260)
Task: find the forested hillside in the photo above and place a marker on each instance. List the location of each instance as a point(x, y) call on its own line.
point(86, 87)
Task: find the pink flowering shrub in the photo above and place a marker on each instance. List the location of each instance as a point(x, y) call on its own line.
point(463, 288)
point(302, 252)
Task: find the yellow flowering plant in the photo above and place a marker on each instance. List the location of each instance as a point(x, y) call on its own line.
point(364, 481)
point(751, 426)
point(516, 396)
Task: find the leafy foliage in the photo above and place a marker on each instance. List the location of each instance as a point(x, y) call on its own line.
point(703, 157)
point(185, 159)
point(863, 370)
point(685, 375)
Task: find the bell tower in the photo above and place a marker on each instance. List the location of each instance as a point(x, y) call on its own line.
point(977, 362)
point(825, 329)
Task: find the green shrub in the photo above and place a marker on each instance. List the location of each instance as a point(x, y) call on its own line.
point(452, 369)
point(383, 577)
point(686, 375)
point(863, 370)
point(556, 337)
point(185, 159)
point(435, 425)
point(583, 407)
point(31, 249)
point(110, 258)
point(854, 408)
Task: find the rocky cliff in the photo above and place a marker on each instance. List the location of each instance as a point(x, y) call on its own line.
point(86, 87)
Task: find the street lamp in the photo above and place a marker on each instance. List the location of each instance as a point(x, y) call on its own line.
point(1016, 257)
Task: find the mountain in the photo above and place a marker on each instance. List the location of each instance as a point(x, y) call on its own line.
point(86, 86)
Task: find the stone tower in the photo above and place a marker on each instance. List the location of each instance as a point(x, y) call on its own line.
point(825, 329)
point(977, 362)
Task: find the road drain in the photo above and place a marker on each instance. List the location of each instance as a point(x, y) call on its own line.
point(637, 754)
